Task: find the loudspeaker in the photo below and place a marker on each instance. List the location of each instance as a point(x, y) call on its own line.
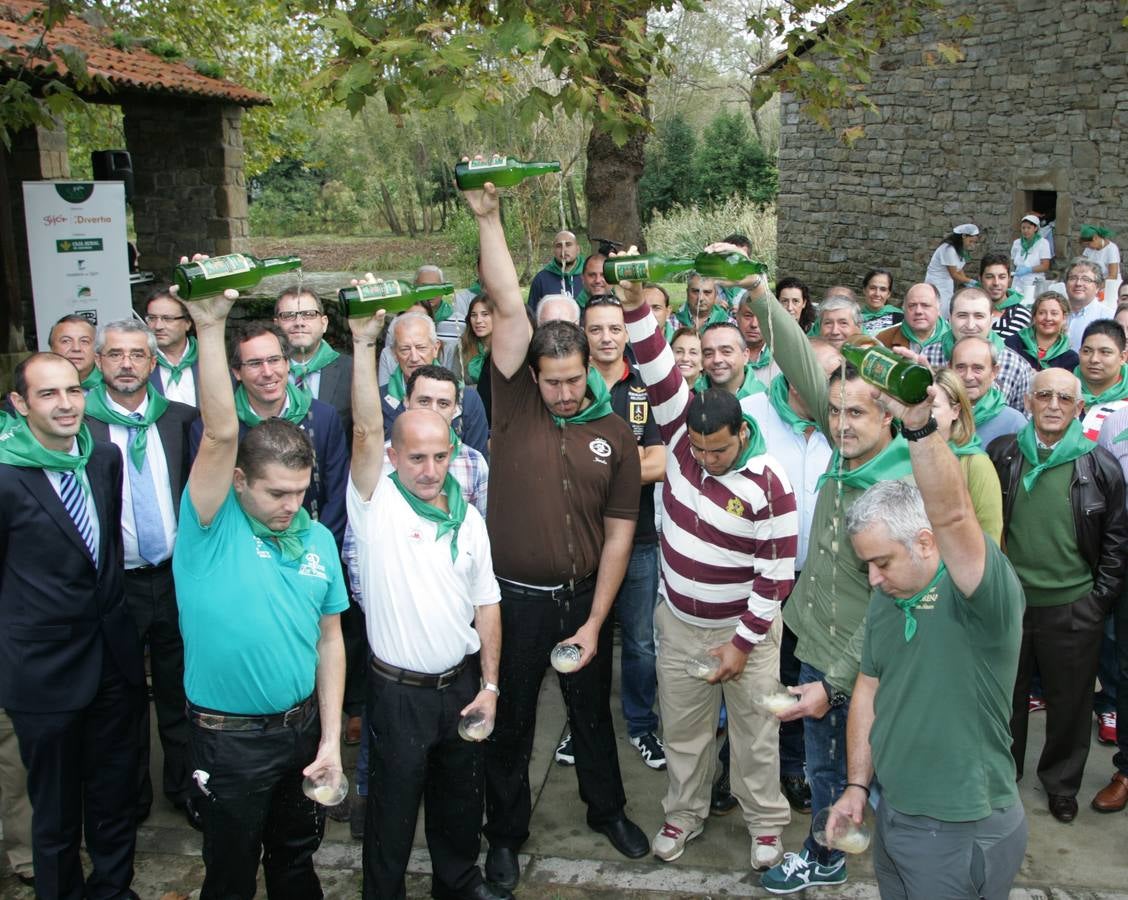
point(113, 165)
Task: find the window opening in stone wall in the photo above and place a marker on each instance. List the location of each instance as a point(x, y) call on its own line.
point(1045, 204)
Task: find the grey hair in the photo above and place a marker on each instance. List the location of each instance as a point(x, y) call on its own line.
point(1084, 262)
point(1077, 386)
point(839, 301)
point(897, 505)
point(125, 326)
point(430, 270)
point(573, 308)
point(412, 317)
point(975, 337)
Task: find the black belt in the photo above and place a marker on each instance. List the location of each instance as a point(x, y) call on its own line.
point(565, 591)
point(220, 721)
point(416, 679)
point(159, 567)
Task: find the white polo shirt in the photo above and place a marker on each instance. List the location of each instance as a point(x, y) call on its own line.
point(418, 605)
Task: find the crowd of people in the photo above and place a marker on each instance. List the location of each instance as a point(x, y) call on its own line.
point(383, 547)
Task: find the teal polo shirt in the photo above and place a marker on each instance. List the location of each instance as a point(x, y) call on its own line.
point(250, 620)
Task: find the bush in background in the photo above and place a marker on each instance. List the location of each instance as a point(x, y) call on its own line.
point(684, 230)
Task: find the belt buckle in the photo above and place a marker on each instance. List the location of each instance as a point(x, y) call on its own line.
point(292, 714)
point(445, 680)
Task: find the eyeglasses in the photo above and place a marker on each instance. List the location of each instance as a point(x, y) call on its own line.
point(604, 300)
point(117, 356)
point(163, 320)
point(1047, 396)
point(306, 315)
point(256, 365)
point(1082, 279)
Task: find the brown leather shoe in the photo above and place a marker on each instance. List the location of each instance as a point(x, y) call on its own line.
point(352, 730)
point(1114, 797)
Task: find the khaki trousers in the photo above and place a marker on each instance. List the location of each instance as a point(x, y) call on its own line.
point(690, 710)
point(15, 808)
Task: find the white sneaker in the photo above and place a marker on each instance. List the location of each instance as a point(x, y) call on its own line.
point(670, 842)
point(767, 851)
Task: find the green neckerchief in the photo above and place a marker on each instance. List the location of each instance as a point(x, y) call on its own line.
point(668, 332)
point(444, 311)
point(1028, 245)
point(191, 354)
point(1119, 391)
point(19, 447)
point(751, 384)
point(716, 314)
point(1013, 298)
point(890, 464)
point(765, 358)
point(755, 446)
point(777, 396)
point(291, 542)
point(988, 406)
point(975, 445)
point(446, 521)
point(1073, 445)
point(322, 356)
point(296, 407)
point(98, 408)
point(397, 387)
point(871, 314)
point(554, 267)
point(906, 606)
point(1029, 339)
point(939, 331)
point(473, 367)
point(599, 407)
point(92, 380)
point(948, 341)
point(582, 299)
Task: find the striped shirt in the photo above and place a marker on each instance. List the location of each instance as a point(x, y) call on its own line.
point(728, 542)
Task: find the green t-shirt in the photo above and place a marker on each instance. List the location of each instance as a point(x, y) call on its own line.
point(250, 620)
point(941, 733)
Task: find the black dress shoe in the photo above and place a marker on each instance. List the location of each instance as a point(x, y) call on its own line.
point(192, 813)
point(797, 792)
point(1064, 809)
point(722, 801)
point(626, 837)
point(503, 869)
point(481, 891)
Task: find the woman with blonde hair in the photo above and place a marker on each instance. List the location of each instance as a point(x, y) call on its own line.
point(952, 410)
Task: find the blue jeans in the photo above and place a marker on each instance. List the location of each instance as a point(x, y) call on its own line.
point(634, 608)
point(825, 743)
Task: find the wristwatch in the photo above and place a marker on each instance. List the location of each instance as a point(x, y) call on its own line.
point(490, 686)
point(836, 699)
point(922, 432)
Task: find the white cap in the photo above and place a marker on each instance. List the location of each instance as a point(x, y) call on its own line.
point(967, 229)
point(1032, 219)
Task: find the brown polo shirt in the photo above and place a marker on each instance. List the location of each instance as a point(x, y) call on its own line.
point(551, 487)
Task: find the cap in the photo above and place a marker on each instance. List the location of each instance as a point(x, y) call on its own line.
point(1032, 219)
point(968, 229)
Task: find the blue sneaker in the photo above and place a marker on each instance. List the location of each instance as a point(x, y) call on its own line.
point(799, 871)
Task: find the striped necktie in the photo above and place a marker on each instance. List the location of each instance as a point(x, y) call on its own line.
point(74, 499)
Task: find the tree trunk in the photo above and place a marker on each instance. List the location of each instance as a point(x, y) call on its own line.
point(576, 223)
point(409, 217)
point(390, 211)
point(611, 188)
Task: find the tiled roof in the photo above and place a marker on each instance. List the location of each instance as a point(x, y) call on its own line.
point(130, 70)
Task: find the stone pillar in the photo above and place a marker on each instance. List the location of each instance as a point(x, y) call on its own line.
point(190, 195)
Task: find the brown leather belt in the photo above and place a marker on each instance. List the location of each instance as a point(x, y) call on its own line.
point(218, 721)
point(416, 679)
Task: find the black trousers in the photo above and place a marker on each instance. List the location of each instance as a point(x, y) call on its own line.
point(1120, 760)
point(253, 805)
point(355, 637)
point(530, 628)
point(1064, 641)
point(415, 754)
point(150, 597)
point(82, 781)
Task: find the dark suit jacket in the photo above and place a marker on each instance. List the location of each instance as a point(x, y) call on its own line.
point(173, 427)
point(336, 390)
point(59, 613)
point(471, 426)
point(326, 491)
point(158, 384)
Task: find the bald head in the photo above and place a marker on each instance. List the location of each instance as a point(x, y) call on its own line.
point(420, 453)
point(413, 426)
point(558, 308)
point(565, 249)
point(922, 309)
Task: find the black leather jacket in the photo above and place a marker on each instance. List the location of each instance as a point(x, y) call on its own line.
point(1097, 496)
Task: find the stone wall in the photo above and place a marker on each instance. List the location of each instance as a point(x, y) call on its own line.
point(1038, 103)
point(190, 193)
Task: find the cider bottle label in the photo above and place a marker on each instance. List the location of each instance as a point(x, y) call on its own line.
point(222, 266)
point(378, 291)
point(635, 270)
point(494, 162)
point(876, 369)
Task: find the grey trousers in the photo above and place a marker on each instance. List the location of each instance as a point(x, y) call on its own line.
point(918, 858)
point(15, 808)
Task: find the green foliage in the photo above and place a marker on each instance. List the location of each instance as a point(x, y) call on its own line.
point(684, 230)
point(669, 175)
point(284, 199)
point(730, 163)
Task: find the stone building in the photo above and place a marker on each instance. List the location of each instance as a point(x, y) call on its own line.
point(182, 131)
point(1030, 118)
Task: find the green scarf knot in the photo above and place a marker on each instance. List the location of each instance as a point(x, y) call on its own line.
point(1029, 340)
point(988, 406)
point(751, 384)
point(191, 354)
point(777, 396)
point(97, 407)
point(20, 447)
point(1118, 391)
point(322, 356)
point(446, 521)
point(890, 464)
point(475, 365)
point(291, 541)
point(599, 407)
point(939, 331)
point(1028, 244)
point(444, 311)
point(975, 445)
point(294, 410)
point(716, 315)
point(397, 386)
point(765, 358)
point(1013, 298)
point(1073, 445)
point(909, 604)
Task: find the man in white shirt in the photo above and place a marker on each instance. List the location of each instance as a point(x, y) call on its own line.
point(1083, 281)
point(178, 370)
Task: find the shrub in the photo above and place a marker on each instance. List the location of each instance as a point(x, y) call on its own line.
point(684, 230)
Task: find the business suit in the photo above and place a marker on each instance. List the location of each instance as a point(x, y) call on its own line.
point(156, 380)
point(150, 596)
point(335, 388)
point(71, 672)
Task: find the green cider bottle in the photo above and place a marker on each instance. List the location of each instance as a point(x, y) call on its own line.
point(887, 371)
point(727, 266)
point(503, 171)
point(237, 271)
point(650, 267)
point(393, 296)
